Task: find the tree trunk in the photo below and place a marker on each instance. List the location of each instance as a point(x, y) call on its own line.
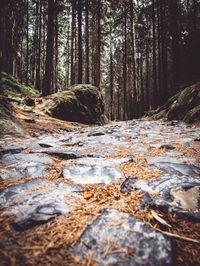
point(125, 64)
point(175, 44)
point(80, 56)
point(27, 41)
point(155, 86)
point(111, 83)
point(87, 59)
point(49, 50)
point(72, 42)
point(134, 78)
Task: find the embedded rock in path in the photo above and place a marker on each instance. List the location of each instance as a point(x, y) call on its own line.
point(21, 165)
point(102, 162)
point(173, 165)
point(62, 153)
point(117, 238)
point(37, 201)
point(83, 174)
point(170, 159)
point(176, 194)
point(179, 169)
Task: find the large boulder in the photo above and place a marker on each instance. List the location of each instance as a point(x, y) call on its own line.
point(184, 106)
point(80, 103)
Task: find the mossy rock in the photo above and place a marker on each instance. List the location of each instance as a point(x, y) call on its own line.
point(80, 103)
point(187, 99)
point(184, 106)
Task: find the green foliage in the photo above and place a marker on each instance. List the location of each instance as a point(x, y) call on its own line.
point(13, 89)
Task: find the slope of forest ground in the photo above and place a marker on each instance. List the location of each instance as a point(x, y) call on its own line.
point(79, 195)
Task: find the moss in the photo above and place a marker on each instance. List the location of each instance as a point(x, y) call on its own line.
point(12, 88)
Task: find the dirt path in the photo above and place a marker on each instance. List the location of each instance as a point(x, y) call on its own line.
point(76, 195)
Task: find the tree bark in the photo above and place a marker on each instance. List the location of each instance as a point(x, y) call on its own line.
point(49, 50)
point(80, 56)
point(87, 59)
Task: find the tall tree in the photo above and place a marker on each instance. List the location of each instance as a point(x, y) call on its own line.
point(73, 20)
point(80, 55)
point(49, 50)
point(125, 63)
point(155, 85)
point(87, 56)
point(175, 42)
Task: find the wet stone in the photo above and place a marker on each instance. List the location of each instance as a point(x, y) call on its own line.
point(103, 152)
point(96, 134)
point(175, 194)
point(24, 165)
point(181, 169)
point(102, 162)
point(139, 149)
point(173, 165)
point(170, 159)
point(83, 174)
point(116, 238)
point(182, 201)
point(11, 150)
point(38, 201)
point(60, 152)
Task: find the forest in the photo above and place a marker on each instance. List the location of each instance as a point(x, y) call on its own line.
point(138, 53)
point(99, 132)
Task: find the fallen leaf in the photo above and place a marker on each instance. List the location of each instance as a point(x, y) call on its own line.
point(87, 195)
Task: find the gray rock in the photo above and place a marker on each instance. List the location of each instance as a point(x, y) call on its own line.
point(116, 238)
point(98, 133)
point(62, 153)
point(170, 159)
point(181, 169)
point(175, 194)
point(102, 162)
point(83, 174)
point(24, 165)
point(173, 165)
point(37, 201)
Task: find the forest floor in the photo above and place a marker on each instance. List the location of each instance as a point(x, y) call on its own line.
point(126, 193)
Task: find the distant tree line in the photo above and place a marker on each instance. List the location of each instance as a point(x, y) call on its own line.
point(138, 53)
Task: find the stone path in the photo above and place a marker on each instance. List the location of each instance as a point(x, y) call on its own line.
point(46, 179)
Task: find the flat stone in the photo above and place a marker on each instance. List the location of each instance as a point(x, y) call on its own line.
point(59, 152)
point(83, 174)
point(170, 159)
point(139, 149)
point(24, 165)
point(102, 162)
point(162, 185)
point(116, 238)
point(37, 201)
point(11, 159)
point(104, 152)
point(132, 183)
point(178, 168)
